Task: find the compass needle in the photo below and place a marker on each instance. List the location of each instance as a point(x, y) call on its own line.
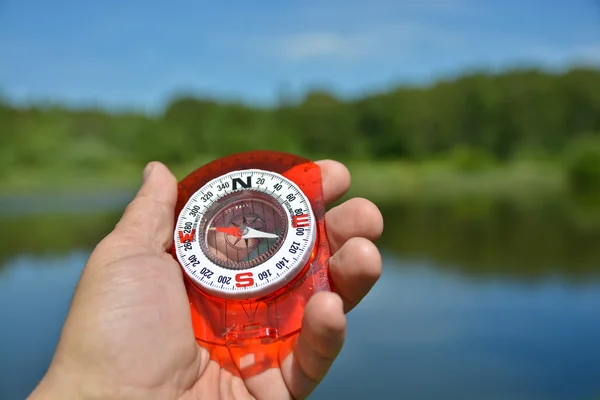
point(253, 233)
point(229, 231)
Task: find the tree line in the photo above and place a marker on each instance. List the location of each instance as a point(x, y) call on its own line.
point(481, 115)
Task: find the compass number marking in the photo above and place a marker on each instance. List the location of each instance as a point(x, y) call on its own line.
point(206, 196)
point(280, 264)
point(294, 247)
point(193, 261)
point(206, 272)
point(223, 186)
point(264, 275)
point(194, 211)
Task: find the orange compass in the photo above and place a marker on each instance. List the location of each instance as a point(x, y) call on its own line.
point(250, 238)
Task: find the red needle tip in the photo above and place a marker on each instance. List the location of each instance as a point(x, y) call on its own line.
point(229, 231)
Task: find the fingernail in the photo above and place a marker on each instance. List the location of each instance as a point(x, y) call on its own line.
point(147, 171)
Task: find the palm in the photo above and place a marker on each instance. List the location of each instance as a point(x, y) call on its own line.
point(129, 325)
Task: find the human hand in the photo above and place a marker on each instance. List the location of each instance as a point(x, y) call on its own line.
point(128, 334)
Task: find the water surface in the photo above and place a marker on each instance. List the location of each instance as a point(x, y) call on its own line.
point(477, 301)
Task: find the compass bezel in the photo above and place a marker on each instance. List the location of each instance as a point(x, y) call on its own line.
point(256, 281)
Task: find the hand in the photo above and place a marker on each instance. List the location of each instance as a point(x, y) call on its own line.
point(128, 334)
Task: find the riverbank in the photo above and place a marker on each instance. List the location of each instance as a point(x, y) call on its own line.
point(438, 180)
point(379, 181)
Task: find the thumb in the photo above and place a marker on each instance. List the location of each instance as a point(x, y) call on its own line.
point(148, 220)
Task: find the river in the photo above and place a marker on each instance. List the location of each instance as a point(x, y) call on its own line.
point(478, 300)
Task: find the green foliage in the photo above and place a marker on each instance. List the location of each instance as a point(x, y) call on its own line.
point(470, 122)
point(583, 164)
point(467, 159)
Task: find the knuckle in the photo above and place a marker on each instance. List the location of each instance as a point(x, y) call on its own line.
point(362, 256)
point(142, 221)
point(368, 256)
point(367, 217)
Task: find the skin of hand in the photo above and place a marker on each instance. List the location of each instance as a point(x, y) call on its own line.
point(128, 333)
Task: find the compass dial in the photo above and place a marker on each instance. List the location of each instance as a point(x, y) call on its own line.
point(245, 234)
point(243, 230)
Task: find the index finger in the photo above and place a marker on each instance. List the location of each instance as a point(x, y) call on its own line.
point(336, 179)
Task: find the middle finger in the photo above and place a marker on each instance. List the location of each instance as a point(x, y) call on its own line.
point(356, 217)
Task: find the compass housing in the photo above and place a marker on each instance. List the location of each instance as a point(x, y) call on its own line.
point(250, 301)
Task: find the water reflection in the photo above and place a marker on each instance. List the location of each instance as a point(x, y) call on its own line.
point(52, 234)
point(479, 238)
point(426, 333)
point(497, 238)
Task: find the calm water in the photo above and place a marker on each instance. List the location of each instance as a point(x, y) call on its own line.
point(485, 300)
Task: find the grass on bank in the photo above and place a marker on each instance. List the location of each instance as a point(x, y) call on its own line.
point(463, 171)
point(438, 180)
point(379, 181)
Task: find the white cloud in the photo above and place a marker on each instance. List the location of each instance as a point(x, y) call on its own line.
point(588, 53)
point(337, 30)
point(311, 45)
point(402, 38)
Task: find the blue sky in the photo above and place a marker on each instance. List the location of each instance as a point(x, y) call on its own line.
point(139, 53)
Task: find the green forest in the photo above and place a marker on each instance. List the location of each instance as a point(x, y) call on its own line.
point(475, 123)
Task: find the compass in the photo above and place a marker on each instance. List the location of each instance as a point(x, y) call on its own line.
point(250, 238)
point(245, 234)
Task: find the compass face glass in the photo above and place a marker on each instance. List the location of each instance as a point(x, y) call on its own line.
point(244, 230)
point(245, 234)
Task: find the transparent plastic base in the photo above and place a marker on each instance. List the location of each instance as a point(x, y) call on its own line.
point(250, 330)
